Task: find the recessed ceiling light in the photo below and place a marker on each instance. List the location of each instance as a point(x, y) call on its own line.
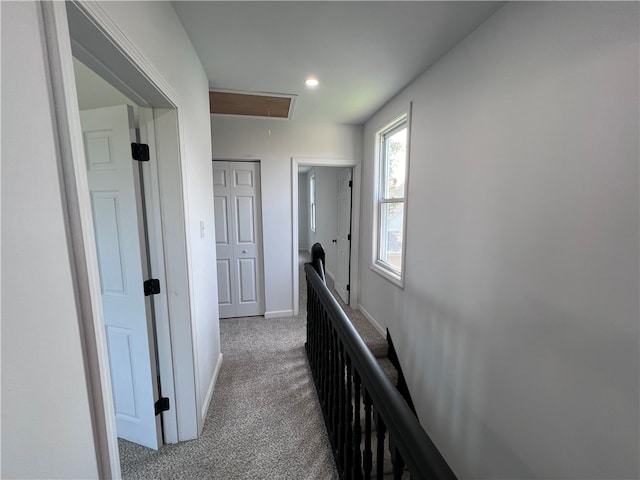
point(311, 82)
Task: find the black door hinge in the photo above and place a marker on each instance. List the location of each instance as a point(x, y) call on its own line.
point(162, 405)
point(140, 152)
point(349, 237)
point(151, 287)
point(350, 183)
point(348, 288)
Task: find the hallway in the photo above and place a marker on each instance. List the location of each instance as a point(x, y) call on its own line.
point(264, 420)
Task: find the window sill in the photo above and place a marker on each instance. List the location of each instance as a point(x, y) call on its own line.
point(389, 275)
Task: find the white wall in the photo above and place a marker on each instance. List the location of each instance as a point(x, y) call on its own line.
point(326, 214)
point(275, 142)
point(303, 212)
point(518, 324)
point(156, 31)
point(46, 423)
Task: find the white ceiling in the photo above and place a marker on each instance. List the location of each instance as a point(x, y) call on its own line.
point(362, 52)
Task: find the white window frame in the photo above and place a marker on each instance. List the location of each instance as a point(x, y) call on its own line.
point(379, 266)
point(312, 201)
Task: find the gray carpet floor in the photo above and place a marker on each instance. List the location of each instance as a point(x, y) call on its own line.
point(264, 421)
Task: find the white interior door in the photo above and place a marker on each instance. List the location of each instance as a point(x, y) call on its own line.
point(117, 217)
point(236, 188)
point(343, 246)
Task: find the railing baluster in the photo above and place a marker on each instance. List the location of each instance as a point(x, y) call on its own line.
point(357, 431)
point(336, 388)
point(329, 392)
point(320, 321)
point(398, 465)
point(347, 378)
point(314, 320)
point(327, 372)
point(319, 353)
point(348, 448)
point(326, 385)
point(316, 352)
point(323, 359)
point(309, 318)
point(341, 411)
point(380, 432)
point(367, 455)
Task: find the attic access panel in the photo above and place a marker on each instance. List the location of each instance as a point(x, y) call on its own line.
point(253, 105)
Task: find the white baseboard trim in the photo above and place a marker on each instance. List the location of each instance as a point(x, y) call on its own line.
point(212, 384)
point(278, 313)
point(368, 316)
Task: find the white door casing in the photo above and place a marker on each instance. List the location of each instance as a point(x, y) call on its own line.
point(296, 162)
point(237, 207)
point(343, 246)
point(115, 195)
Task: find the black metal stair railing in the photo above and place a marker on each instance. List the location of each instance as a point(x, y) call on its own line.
point(372, 430)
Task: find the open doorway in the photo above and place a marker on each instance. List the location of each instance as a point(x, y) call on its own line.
point(324, 216)
point(121, 67)
point(111, 123)
point(326, 210)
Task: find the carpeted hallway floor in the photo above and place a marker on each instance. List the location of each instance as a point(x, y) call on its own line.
point(264, 421)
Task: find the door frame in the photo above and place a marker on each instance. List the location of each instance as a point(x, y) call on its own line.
point(355, 223)
point(149, 89)
point(135, 244)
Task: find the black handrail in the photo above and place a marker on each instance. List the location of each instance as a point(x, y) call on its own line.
point(318, 260)
point(341, 362)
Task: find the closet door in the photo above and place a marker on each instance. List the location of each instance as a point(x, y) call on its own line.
point(236, 187)
point(224, 244)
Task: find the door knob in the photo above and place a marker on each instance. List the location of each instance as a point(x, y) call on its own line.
point(244, 251)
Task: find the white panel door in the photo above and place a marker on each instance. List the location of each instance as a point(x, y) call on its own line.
point(117, 217)
point(236, 188)
point(343, 248)
point(224, 243)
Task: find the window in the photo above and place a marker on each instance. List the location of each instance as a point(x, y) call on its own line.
point(390, 197)
point(312, 201)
